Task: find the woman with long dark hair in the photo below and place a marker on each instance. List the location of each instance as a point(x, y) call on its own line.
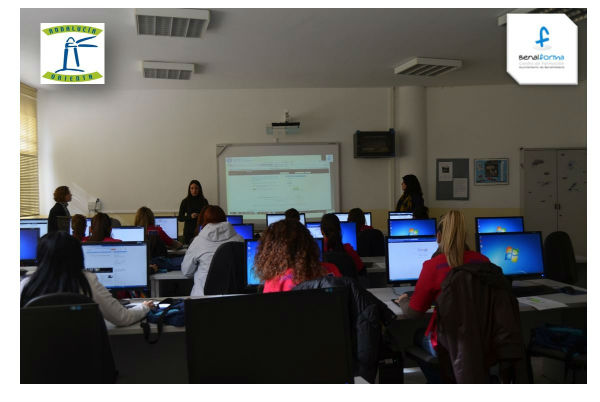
point(100, 229)
point(332, 239)
point(190, 208)
point(412, 198)
point(288, 255)
point(60, 269)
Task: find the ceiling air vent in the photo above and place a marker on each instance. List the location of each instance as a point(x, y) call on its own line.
point(175, 22)
point(169, 71)
point(425, 67)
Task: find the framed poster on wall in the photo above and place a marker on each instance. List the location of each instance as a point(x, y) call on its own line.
point(491, 171)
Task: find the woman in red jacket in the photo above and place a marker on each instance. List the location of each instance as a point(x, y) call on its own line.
point(451, 235)
point(288, 255)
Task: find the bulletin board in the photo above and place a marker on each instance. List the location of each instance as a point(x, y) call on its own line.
point(452, 179)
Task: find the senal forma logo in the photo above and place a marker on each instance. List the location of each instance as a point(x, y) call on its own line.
point(72, 53)
point(541, 49)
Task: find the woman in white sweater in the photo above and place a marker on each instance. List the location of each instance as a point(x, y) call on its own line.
point(215, 231)
point(60, 269)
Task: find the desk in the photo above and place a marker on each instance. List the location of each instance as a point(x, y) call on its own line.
point(376, 265)
point(140, 362)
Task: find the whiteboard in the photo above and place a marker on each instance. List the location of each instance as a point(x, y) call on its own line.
point(255, 179)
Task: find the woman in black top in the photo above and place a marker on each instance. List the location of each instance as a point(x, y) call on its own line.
point(62, 196)
point(190, 208)
point(412, 198)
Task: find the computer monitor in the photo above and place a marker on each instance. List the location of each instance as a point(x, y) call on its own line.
point(349, 233)
point(399, 215)
point(246, 230)
point(405, 257)
point(499, 224)
point(343, 217)
point(168, 224)
point(42, 224)
point(235, 219)
point(411, 227)
point(320, 244)
point(117, 265)
point(251, 250)
point(272, 218)
point(128, 233)
point(301, 336)
point(518, 254)
point(28, 245)
point(314, 229)
point(88, 224)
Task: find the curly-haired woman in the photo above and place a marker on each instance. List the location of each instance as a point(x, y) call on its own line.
point(288, 255)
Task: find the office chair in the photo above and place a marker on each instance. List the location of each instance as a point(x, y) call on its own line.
point(343, 262)
point(226, 270)
point(64, 340)
point(559, 258)
point(371, 243)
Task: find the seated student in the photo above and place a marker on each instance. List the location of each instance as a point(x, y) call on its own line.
point(357, 216)
point(215, 231)
point(288, 255)
point(292, 213)
point(332, 240)
point(145, 217)
point(78, 224)
point(60, 269)
point(100, 229)
point(451, 237)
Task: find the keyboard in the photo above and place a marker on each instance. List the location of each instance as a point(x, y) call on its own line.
point(401, 290)
point(524, 291)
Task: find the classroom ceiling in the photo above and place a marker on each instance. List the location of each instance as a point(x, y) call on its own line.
point(295, 48)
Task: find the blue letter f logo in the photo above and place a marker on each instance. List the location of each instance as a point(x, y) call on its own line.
point(542, 39)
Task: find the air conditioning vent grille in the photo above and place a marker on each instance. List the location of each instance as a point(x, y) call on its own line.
point(427, 67)
point(182, 23)
point(169, 71)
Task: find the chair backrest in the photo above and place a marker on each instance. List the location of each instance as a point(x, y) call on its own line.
point(342, 261)
point(371, 243)
point(226, 270)
point(156, 247)
point(559, 258)
point(64, 340)
point(479, 323)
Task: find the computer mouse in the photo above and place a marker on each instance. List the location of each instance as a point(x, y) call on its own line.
point(567, 290)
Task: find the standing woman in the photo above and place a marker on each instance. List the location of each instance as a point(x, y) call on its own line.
point(62, 196)
point(412, 198)
point(190, 209)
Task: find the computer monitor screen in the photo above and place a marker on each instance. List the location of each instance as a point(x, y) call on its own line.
point(499, 224)
point(320, 244)
point(400, 215)
point(343, 217)
point(518, 254)
point(42, 224)
point(168, 224)
point(88, 224)
point(272, 218)
point(235, 219)
point(349, 234)
point(314, 321)
point(28, 245)
point(251, 250)
point(128, 233)
point(245, 230)
point(406, 255)
point(315, 229)
point(117, 265)
point(411, 227)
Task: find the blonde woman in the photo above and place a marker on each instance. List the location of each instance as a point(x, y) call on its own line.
point(451, 235)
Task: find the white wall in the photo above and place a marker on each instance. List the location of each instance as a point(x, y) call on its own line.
point(495, 121)
point(134, 148)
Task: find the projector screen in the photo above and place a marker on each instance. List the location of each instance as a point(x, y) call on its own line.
point(256, 179)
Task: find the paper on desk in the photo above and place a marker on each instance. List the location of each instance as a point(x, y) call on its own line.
point(540, 303)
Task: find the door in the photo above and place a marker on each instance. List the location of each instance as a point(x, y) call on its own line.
point(572, 196)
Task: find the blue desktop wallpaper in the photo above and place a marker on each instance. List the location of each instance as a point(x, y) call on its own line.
point(29, 240)
point(245, 231)
point(349, 233)
point(251, 249)
point(515, 253)
point(412, 227)
point(235, 219)
point(499, 225)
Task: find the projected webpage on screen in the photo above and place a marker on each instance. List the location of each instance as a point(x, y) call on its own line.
point(257, 185)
